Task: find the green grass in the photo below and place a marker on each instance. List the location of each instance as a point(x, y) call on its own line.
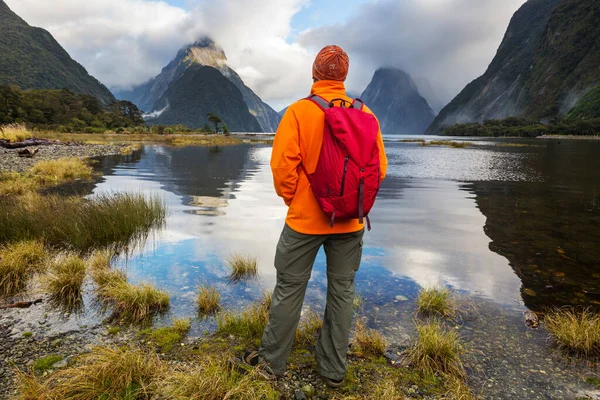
point(166, 337)
point(593, 381)
point(367, 343)
point(436, 301)
point(242, 267)
point(132, 303)
point(64, 280)
point(45, 363)
point(112, 220)
point(577, 331)
point(208, 299)
point(249, 323)
point(308, 329)
point(19, 262)
point(437, 350)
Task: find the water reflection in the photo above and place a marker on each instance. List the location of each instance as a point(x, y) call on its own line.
point(429, 226)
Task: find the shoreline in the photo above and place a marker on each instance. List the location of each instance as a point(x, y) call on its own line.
point(569, 137)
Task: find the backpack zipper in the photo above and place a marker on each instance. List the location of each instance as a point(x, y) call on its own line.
point(344, 176)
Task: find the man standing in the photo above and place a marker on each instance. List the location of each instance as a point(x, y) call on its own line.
point(296, 151)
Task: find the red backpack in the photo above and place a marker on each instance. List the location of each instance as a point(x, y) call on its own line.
point(346, 180)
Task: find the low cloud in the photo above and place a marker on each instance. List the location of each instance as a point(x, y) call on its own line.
point(449, 42)
point(126, 42)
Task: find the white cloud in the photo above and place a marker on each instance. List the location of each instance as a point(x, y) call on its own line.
point(126, 42)
point(450, 42)
point(120, 42)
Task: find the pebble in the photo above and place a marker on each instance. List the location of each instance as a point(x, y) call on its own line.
point(401, 298)
point(299, 395)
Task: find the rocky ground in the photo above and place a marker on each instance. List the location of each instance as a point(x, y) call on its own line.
point(10, 160)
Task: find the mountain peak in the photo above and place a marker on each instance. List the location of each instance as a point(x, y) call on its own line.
point(206, 52)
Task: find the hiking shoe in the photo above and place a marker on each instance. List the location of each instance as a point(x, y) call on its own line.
point(252, 359)
point(333, 383)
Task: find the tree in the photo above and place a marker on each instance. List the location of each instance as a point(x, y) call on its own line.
point(215, 119)
point(225, 130)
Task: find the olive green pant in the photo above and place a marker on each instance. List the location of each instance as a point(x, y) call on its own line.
point(294, 259)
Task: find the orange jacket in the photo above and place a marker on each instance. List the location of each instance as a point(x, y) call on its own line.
point(298, 141)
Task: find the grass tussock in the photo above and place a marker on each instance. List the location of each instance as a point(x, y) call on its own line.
point(308, 329)
point(104, 373)
point(242, 267)
point(358, 302)
point(104, 277)
point(437, 350)
point(14, 132)
point(249, 323)
point(367, 343)
point(132, 303)
point(64, 280)
point(436, 301)
point(130, 149)
point(100, 259)
point(449, 143)
point(214, 379)
point(19, 262)
point(13, 183)
point(115, 220)
point(208, 299)
point(61, 170)
point(167, 337)
point(575, 330)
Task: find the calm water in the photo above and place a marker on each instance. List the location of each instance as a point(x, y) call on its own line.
point(508, 227)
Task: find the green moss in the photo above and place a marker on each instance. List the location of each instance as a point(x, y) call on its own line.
point(593, 381)
point(45, 363)
point(27, 334)
point(113, 330)
point(167, 337)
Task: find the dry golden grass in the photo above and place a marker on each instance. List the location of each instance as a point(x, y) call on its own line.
point(13, 183)
point(105, 277)
point(130, 149)
point(437, 350)
point(214, 379)
point(131, 303)
point(249, 323)
point(243, 267)
point(436, 301)
point(64, 280)
point(367, 342)
point(448, 143)
point(208, 299)
point(104, 373)
point(358, 302)
point(18, 263)
point(61, 170)
point(575, 330)
point(100, 259)
point(14, 132)
point(308, 329)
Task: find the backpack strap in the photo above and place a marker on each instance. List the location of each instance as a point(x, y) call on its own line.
point(358, 104)
point(319, 101)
